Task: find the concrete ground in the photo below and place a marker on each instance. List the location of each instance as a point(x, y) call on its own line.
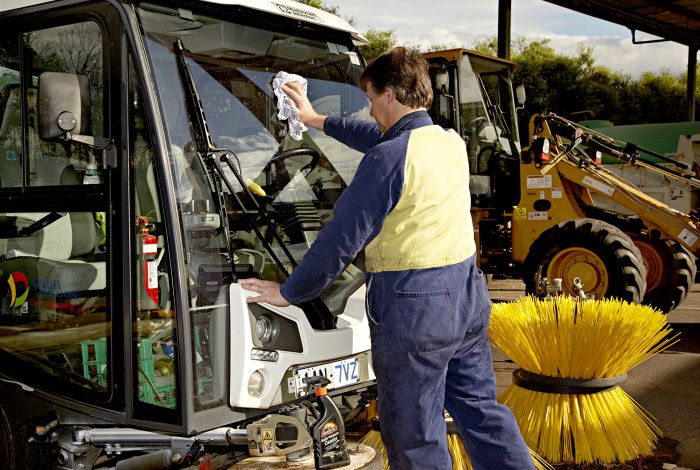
point(667, 385)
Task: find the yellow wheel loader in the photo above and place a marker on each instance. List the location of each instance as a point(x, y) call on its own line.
point(551, 210)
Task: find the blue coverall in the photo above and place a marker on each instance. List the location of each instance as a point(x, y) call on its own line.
point(428, 325)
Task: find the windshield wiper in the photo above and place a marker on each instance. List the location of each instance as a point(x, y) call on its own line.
point(495, 115)
point(213, 156)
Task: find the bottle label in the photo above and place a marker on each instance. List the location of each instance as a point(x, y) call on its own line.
point(91, 179)
point(331, 445)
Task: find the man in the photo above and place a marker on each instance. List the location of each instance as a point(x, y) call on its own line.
point(408, 207)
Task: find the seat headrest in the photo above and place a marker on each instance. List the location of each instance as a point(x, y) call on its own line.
point(52, 241)
point(86, 233)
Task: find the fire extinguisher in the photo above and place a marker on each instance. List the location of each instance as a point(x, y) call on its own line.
point(148, 252)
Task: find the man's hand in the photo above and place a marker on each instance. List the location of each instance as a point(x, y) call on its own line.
point(306, 112)
point(269, 292)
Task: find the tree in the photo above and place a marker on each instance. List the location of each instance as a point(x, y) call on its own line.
point(488, 46)
point(379, 42)
point(444, 46)
point(321, 5)
point(576, 86)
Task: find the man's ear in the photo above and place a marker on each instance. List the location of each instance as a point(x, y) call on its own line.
point(391, 94)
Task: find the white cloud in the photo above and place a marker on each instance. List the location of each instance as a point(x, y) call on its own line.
point(621, 55)
point(454, 22)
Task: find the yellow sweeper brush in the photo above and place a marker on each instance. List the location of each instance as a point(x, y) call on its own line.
point(572, 354)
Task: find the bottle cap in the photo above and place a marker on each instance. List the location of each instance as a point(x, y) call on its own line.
point(320, 391)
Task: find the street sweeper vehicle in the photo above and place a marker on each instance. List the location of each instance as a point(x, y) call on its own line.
point(551, 211)
point(143, 172)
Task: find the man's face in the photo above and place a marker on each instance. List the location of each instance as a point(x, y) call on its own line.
point(379, 109)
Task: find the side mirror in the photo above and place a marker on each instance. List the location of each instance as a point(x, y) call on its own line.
point(63, 104)
point(520, 95)
point(442, 81)
point(64, 113)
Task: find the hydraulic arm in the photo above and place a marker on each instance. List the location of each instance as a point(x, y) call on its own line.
point(571, 151)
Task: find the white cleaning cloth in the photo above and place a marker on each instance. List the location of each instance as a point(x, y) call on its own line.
point(285, 104)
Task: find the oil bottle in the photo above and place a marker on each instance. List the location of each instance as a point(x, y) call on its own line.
point(328, 432)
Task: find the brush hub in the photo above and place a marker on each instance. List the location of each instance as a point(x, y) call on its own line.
point(564, 385)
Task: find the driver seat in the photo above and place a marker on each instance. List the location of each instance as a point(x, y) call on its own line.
point(59, 262)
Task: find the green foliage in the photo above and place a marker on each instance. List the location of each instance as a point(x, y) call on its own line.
point(487, 46)
point(575, 86)
point(570, 85)
point(442, 47)
point(321, 5)
point(379, 42)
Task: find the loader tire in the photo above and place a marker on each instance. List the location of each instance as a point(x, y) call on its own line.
point(671, 271)
point(601, 255)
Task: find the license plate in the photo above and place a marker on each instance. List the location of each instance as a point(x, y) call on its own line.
point(340, 373)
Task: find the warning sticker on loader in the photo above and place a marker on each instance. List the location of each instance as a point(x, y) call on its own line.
point(688, 237)
point(267, 441)
point(520, 213)
point(595, 184)
point(556, 193)
point(539, 181)
point(537, 215)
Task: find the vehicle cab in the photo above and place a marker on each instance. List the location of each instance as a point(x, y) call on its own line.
point(143, 172)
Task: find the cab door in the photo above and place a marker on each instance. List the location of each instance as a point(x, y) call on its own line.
point(60, 275)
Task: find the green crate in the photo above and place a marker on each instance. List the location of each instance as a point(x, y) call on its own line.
point(95, 360)
point(94, 354)
point(149, 384)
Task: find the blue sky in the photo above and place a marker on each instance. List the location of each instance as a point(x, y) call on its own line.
point(462, 22)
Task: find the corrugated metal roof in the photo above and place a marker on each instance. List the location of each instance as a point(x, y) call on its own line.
point(676, 20)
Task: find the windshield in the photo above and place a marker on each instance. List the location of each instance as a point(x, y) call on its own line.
point(483, 128)
point(232, 66)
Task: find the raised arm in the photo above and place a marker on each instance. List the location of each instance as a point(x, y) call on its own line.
point(355, 133)
point(307, 113)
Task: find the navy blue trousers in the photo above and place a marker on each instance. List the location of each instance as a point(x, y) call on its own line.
point(431, 351)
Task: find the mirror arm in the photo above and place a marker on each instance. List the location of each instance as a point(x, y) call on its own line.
point(109, 156)
point(98, 143)
point(106, 146)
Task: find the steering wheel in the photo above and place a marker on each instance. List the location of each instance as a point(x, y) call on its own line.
point(285, 154)
point(278, 160)
point(475, 124)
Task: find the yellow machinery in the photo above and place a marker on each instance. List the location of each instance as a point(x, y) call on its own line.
point(538, 212)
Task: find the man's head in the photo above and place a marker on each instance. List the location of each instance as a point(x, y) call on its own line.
point(397, 83)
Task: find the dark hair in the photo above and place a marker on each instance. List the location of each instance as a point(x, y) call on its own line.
point(404, 71)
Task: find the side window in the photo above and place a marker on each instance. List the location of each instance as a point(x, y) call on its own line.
point(10, 113)
point(76, 49)
point(155, 340)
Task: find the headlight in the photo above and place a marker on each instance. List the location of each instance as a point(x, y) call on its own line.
point(264, 355)
point(266, 329)
point(256, 384)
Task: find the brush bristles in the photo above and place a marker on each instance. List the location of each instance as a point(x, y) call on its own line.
point(368, 413)
point(601, 427)
point(574, 339)
point(460, 458)
point(567, 337)
point(374, 439)
point(540, 462)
